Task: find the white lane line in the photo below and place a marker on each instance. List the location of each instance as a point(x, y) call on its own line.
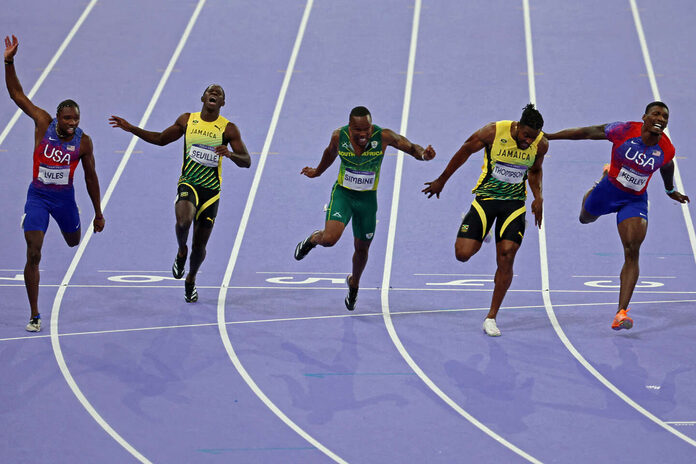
point(55, 313)
point(656, 95)
point(49, 67)
point(332, 316)
point(545, 280)
point(222, 325)
point(342, 288)
point(390, 250)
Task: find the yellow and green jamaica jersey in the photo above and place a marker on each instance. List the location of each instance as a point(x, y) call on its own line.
point(360, 172)
point(202, 166)
point(505, 166)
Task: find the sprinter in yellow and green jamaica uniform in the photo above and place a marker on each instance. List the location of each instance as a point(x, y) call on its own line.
point(513, 155)
point(207, 135)
point(360, 146)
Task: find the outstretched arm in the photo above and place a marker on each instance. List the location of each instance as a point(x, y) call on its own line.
point(239, 154)
point(474, 143)
point(15, 88)
point(391, 138)
point(92, 181)
point(667, 173)
point(168, 135)
point(327, 159)
point(534, 178)
point(580, 133)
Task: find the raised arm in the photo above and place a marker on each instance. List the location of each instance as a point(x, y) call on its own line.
point(15, 88)
point(478, 140)
point(167, 136)
point(239, 154)
point(92, 181)
point(580, 133)
point(327, 158)
point(667, 173)
point(391, 138)
point(534, 178)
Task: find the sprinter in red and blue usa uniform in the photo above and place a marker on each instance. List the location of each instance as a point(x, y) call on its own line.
point(59, 145)
point(639, 149)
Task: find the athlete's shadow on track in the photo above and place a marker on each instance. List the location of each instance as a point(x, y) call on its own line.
point(329, 387)
point(494, 381)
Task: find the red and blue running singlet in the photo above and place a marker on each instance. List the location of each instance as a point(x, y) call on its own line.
point(55, 160)
point(632, 162)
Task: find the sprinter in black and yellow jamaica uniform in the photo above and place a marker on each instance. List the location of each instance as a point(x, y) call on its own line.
point(207, 135)
point(360, 145)
point(514, 152)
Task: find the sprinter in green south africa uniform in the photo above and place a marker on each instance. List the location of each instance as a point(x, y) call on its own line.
point(514, 151)
point(206, 136)
point(360, 146)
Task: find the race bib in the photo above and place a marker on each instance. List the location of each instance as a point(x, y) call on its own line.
point(631, 179)
point(55, 175)
point(510, 173)
point(359, 180)
point(204, 155)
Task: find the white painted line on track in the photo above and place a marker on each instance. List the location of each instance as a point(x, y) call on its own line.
point(332, 316)
point(656, 95)
point(543, 257)
point(390, 251)
point(55, 313)
point(222, 325)
point(49, 67)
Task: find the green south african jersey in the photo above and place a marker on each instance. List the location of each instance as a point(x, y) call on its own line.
point(360, 173)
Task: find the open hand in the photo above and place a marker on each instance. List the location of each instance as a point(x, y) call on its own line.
point(537, 210)
point(434, 187)
point(10, 47)
point(681, 198)
point(121, 123)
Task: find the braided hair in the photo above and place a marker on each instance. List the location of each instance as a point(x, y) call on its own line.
point(67, 104)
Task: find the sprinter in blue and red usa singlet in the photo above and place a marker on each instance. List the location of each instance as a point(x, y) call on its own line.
point(639, 149)
point(59, 145)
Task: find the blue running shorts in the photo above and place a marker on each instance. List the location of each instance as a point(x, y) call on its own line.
point(606, 198)
point(57, 203)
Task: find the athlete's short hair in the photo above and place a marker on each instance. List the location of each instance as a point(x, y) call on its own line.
point(531, 117)
point(218, 85)
point(67, 104)
point(655, 103)
point(359, 111)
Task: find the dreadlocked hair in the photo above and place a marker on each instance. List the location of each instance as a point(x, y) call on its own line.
point(531, 117)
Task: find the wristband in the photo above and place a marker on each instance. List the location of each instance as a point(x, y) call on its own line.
point(669, 192)
point(9, 61)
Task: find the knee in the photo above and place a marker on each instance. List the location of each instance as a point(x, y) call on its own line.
point(462, 255)
point(328, 240)
point(183, 223)
point(631, 250)
point(33, 256)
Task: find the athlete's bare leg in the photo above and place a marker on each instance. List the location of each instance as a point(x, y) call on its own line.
point(505, 256)
point(465, 248)
point(330, 235)
point(198, 251)
point(185, 211)
point(360, 254)
point(73, 238)
point(585, 217)
point(632, 232)
point(34, 239)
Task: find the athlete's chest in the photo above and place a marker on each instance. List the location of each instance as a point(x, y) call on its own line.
point(633, 153)
point(52, 151)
